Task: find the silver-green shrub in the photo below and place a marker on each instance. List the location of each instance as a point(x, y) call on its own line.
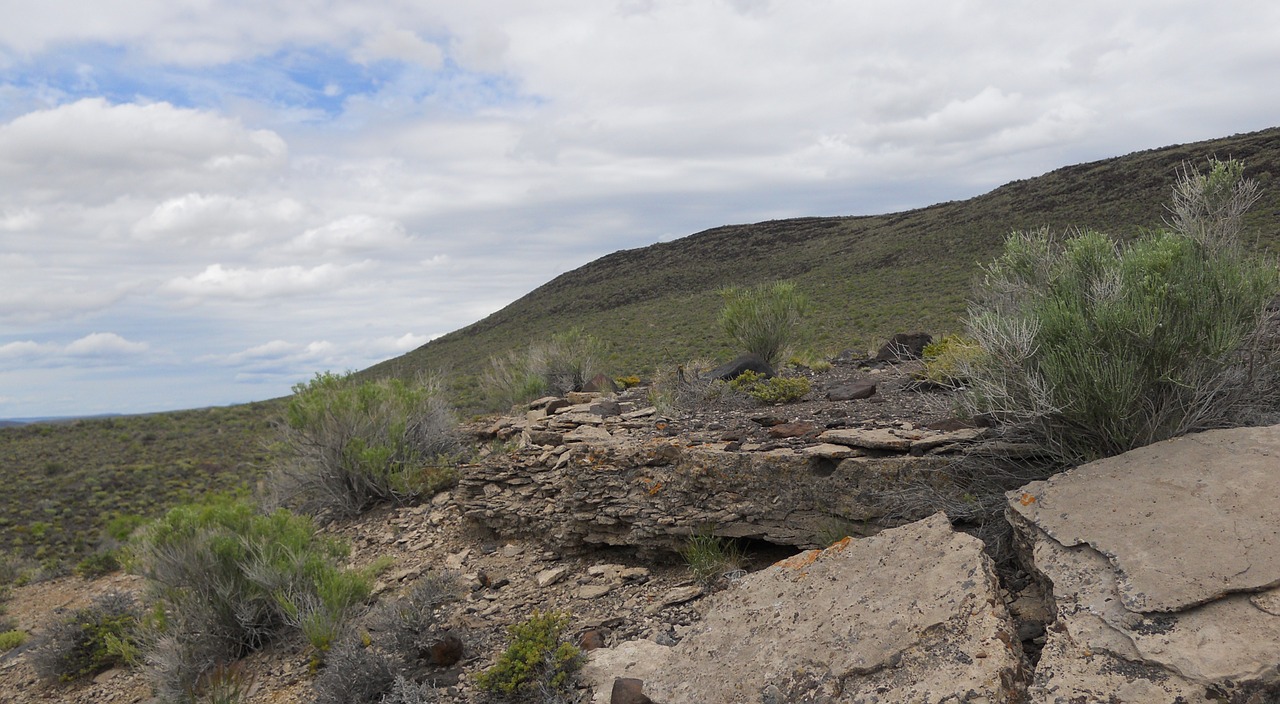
point(350, 444)
point(231, 578)
point(1097, 347)
point(562, 363)
point(764, 320)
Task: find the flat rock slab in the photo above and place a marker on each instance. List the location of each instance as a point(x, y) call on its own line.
point(1184, 521)
point(1229, 640)
point(911, 614)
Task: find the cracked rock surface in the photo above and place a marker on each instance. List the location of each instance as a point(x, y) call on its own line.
point(1163, 564)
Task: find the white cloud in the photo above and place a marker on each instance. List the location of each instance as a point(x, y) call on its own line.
point(353, 233)
point(217, 281)
point(108, 150)
point(101, 344)
point(400, 45)
point(19, 219)
point(211, 215)
point(94, 348)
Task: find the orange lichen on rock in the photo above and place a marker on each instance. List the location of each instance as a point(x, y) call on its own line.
point(1027, 499)
point(808, 557)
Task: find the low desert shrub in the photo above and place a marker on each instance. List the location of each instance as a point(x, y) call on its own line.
point(948, 360)
point(225, 684)
point(356, 674)
point(11, 639)
point(771, 390)
point(565, 362)
point(711, 557)
point(406, 691)
point(1097, 347)
point(685, 387)
point(97, 564)
point(538, 659)
point(765, 319)
point(411, 624)
point(350, 444)
point(231, 577)
point(89, 641)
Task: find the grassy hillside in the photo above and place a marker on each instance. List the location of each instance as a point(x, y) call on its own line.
point(868, 276)
point(64, 481)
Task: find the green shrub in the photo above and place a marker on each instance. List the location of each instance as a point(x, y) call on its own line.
point(11, 639)
point(764, 320)
point(537, 659)
point(97, 564)
point(120, 527)
point(773, 389)
point(1096, 347)
point(556, 366)
point(349, 445)
point(948, 360)
point(710, 557)
point(89, 641)
point(231, 577)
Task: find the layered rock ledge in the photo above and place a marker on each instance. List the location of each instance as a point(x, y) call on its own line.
point(604, 473)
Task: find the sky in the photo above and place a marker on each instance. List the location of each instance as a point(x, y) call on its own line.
point(205, 202)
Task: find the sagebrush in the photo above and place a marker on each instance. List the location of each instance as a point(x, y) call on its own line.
point(562, 363)
point(349, 444)
point(1096, 347)
point(231, 578)
point(764, 320)
point(537, 660)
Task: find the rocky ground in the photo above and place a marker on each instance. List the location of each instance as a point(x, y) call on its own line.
point(612, 594)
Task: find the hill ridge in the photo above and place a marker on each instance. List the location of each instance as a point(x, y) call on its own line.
point(868, 275)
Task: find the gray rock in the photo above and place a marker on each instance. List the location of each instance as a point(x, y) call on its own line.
point(1094, 535)
point(550, 576)
point(911, 614)
point(584, 433)
point(1185, 521)
point(853, 391)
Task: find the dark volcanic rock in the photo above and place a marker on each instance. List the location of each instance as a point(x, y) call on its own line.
point(745, 363)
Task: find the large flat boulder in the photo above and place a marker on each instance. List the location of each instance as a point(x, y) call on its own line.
point(911, 614)
point(1184, 521)
point(1162, 564)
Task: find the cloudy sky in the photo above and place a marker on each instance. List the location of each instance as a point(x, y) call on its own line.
point(206, 201)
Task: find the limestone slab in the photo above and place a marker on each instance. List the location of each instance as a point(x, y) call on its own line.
point(911, 614)
point(1185, 521)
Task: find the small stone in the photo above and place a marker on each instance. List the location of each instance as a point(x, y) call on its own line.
point(854, 391)
point(594, 591)
point(590, 640)
point(511, 550)
point(635, 574)
point(628, 690)
point(792, 430)
point(549, 577)
point(456, 560)
point(679, 595)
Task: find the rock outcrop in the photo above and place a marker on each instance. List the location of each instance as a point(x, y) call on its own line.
point(911, 614)
point(1164, 565)
point(586, 479)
